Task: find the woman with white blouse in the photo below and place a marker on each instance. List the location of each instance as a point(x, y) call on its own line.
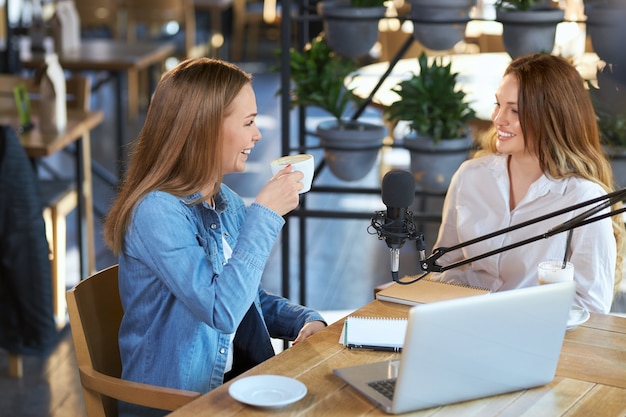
point(543, 155)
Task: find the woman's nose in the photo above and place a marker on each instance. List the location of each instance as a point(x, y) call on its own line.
point(497, 117)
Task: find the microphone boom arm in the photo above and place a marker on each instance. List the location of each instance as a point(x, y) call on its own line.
point(429, 264)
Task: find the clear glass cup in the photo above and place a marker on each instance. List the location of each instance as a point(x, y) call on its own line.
point(553, 270)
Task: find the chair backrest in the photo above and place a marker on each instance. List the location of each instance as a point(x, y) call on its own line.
point(95, 312)
point(248, 10)
point(77, 88)
point(99, 14)
point(249, 17)
point(153, 14)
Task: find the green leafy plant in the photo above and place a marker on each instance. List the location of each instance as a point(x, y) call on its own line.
point(431, 103)
point(520, 5)
point(609, 103)
point(368, 3)
point(317, 76)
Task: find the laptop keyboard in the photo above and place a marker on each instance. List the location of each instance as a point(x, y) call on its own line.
point(384, 386)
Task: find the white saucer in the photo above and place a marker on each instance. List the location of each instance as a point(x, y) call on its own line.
point(267, 390)
point(577, 316)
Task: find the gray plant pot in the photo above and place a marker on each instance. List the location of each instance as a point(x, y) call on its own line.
point(606, 27)
point(433, 164)
point(350, 150)
point(439, 24)
point(617, 157)
point(350, 31)
point(531, 31)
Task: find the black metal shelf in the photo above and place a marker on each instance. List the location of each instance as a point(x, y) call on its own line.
point(306, 15)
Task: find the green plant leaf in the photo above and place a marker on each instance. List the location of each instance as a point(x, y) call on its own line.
point(368, 3)
point(519, 5)
point(431, 102)
point(317, 76)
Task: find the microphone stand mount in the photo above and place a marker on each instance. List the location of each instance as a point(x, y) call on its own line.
point(382, 227)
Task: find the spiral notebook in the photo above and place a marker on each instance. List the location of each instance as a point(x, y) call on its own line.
point(375, 333)
point(426, 291)
point(470, 347)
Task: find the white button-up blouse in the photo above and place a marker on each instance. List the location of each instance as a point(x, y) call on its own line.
point(477, 203)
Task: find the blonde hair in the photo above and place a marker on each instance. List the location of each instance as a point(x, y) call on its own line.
point(556, 114)
point(179, 148)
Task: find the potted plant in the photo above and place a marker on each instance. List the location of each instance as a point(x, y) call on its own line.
point(351, 26)
point(609, 103)
point(440, 24)
point(528, 26)
point(437, 114)
point(606, 29)
point(317, 73)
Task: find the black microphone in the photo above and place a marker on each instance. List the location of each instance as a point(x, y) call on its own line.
point(398, 193)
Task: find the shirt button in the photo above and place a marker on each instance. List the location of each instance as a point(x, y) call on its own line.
point(213, 226)
point(222, 350)
point(226, 234)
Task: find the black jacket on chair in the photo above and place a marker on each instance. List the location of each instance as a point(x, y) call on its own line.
point(26, 319)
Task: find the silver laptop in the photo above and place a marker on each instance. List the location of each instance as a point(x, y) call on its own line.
point(470, 348)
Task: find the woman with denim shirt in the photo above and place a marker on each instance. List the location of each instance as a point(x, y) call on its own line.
point(191, 254)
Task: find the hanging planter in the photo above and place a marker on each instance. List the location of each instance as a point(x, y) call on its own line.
point(609, 104)
point(439, 24)
point(351, 29)
point(350, 147)
point(317, 74)
point(434, 163)
point(606, 28)
point(617, 157)
point(437, 116)
point(528, 26)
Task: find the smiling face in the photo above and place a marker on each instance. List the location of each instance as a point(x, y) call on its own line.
point(505, 118)
point(240, 131)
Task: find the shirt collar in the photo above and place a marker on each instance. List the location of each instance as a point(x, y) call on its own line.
point(544, 185)
point(221, 200)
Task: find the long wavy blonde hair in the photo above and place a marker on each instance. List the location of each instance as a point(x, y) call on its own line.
point(179, 148)
point(555, 110)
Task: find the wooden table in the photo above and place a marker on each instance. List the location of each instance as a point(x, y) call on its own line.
point(590, 378)
point(120, 59)
point(38, 144)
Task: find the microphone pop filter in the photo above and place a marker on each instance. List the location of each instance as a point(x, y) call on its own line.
point(398, 189)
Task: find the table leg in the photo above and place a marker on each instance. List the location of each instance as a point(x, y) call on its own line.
point(112, 179)
point(119, 77)
point(151, 80)
point(130, 76)
point(216, 37)
point(86, 236)
point(16, 368)
point(119, 114)
point(80, 208)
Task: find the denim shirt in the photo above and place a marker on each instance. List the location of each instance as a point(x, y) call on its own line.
point(182, 300)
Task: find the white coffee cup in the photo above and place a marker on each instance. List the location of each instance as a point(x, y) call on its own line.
point(301, 162)
point(552, 271)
